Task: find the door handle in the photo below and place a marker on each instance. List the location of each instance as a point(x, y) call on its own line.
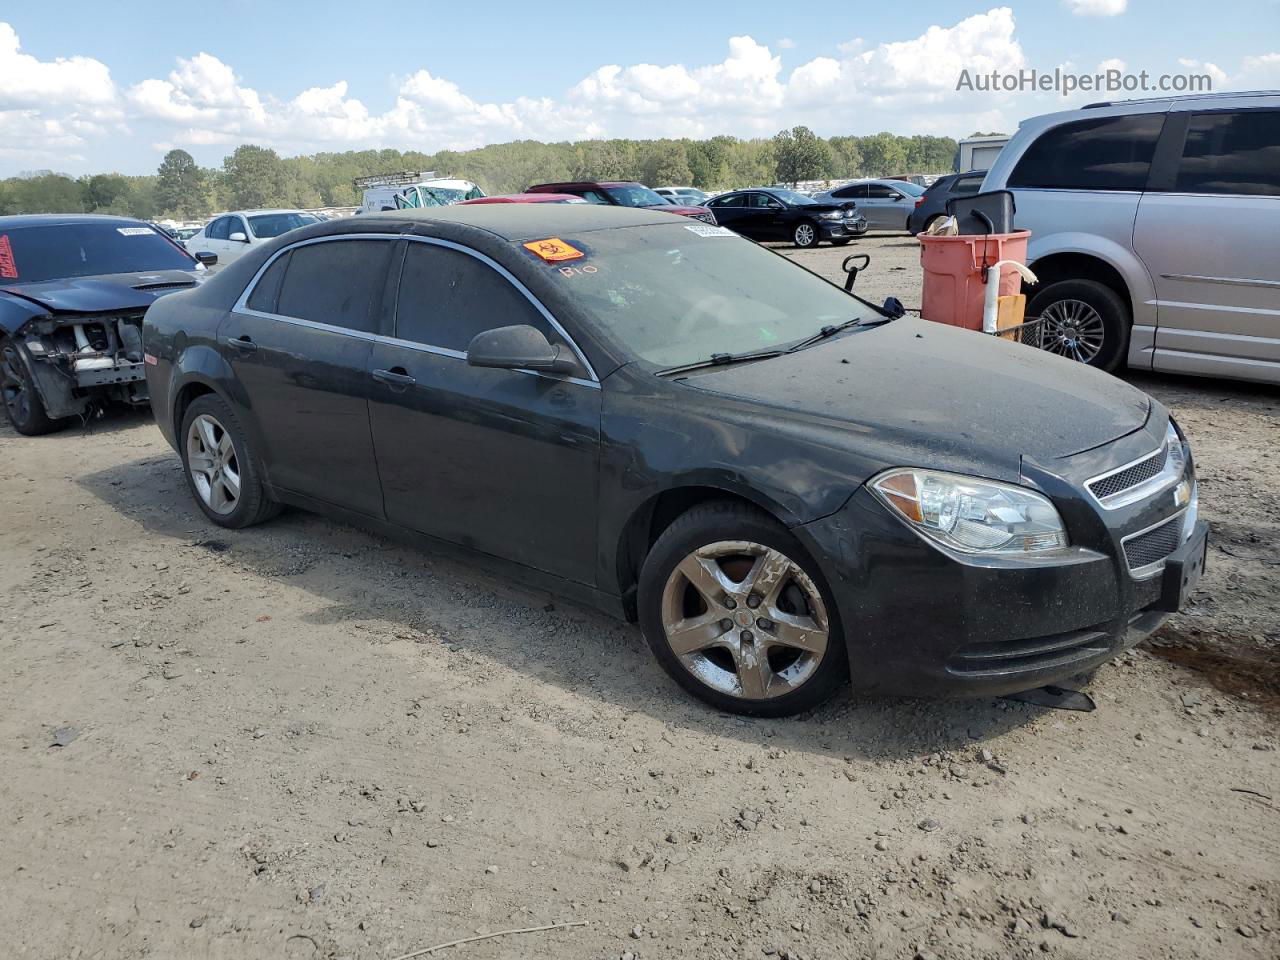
point(395, 377)
point(243, 342)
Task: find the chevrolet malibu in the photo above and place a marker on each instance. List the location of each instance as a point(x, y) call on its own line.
point(782, 484)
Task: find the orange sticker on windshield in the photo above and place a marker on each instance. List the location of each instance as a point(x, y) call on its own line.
point(8, 269)
point(553, 250)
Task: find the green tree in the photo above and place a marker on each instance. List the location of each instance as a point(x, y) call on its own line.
point(883, 155)
point(180, 185)
point(255, 177)
point(103, 192)
point(799, 154)
point(667, 164)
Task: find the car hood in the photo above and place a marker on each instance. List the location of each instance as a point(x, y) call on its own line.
point(912, 393)
point(117, 291)
point(678, 208)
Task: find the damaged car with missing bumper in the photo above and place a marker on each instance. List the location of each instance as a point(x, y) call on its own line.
point(73, 290)
point(783, 483)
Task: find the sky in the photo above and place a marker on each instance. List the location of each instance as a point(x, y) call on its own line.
point(87, 87)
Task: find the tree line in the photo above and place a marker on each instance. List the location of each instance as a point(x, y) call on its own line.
point(254, 176)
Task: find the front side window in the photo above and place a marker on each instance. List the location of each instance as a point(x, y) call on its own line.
point(220, 229)
point(447, 297)
point(878, 191)
point(1232, 153)
point(669, 295)
point(762, 201)
point(336, 282)
point(732, 200)
point(1109, 153)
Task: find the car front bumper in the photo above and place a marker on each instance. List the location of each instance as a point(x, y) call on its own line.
point(920, 621)
point(840, 229)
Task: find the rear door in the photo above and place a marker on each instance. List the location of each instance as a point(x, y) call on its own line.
point(1205, 230)
point(501, 461)
point(299, 343)
point(885, 208)
point(731, 211)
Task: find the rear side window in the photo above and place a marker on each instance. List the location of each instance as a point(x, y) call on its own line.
point(967, 185)
point(267, 293)
point(447, 297)
point(1236, 153)
point(337, 283)
point(1110, 153)
point(847, 193)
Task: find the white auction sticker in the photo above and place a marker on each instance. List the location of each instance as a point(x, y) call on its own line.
point(707, 230)
point(134, 231)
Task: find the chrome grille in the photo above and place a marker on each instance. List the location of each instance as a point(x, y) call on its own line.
point(1149, 547)
point(1129, 477)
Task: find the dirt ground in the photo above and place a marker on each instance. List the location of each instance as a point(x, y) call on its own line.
point(302, 740)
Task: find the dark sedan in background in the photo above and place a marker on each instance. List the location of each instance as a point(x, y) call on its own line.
point(72, 293)
point(932, 204)
point(770, 213)
point(659, 418)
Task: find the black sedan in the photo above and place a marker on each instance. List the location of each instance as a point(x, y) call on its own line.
point(770, 213)
point(656, 417)
point(72, 293)
point(932, 204)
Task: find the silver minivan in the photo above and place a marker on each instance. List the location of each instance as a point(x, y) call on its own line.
point(1153, 231)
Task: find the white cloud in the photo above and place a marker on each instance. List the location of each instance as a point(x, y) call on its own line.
point(1096, 8)
point(786, 43)
point(65, 82)
point(1215, 72)
point(1259, 71)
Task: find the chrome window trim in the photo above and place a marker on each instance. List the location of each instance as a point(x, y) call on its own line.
point(1147, 488)
point(242, 305)
point(1151, 569)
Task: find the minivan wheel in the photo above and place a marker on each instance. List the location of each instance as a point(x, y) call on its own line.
point(805, 235)
point(738, 615)
point(222, 470)
point(22, 403)
point(1083, 320)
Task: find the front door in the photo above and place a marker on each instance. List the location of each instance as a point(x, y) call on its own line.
point(501, 461)
point(1205, 236)
point(299, 344)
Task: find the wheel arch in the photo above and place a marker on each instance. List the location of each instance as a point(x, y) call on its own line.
point(653, 516)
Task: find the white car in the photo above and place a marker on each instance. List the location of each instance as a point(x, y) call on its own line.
point(685, 195)
point(231, 234)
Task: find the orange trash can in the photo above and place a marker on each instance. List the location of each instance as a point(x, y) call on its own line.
point(953, 268)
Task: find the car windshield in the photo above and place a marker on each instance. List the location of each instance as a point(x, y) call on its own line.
point(31, 254)
point(676, 294)
point(636, 196)
point(273, 224)
point(793, 198)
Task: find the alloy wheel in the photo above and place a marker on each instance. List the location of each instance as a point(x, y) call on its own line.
point(1073, 329)
point(804, 234)
point(214, 464)
point(745, 619)
point(17, 399)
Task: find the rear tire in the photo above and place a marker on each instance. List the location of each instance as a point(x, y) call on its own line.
point(222, 469)
point(739, 615)
point(1083, 320)
point(22, 401)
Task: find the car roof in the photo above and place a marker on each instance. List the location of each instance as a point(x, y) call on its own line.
point(62, 219)
point(585, 184)
point(254, 213)
point(520, 221)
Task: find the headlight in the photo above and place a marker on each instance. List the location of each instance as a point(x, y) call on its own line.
point(831, 215)
point(1177, 462)
point(972, 515)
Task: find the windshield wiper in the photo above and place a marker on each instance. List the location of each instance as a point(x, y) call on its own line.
point(721, 360)
point(891, 311)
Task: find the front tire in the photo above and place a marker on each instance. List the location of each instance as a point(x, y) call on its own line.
point(223, 471)
point(805, 235)
point(22, 402)
point(1083, 320)
point(739, 615)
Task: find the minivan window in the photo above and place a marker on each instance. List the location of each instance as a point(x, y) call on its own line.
point(447, 297)
point(1235, 153)
point(1109, 153)
point(336, 283)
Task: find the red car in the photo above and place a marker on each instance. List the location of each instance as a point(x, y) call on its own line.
point(623, 193)
point(527, 198)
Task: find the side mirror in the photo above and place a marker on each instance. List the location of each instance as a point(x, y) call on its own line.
point(205, 257)
point(519, 347)
point(238, 237)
